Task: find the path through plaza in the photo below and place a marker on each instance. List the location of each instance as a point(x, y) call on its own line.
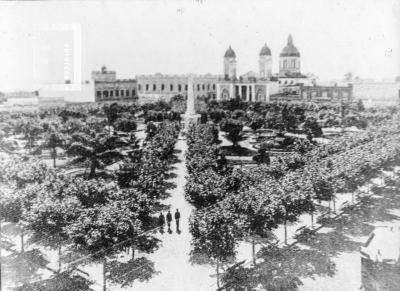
point(171, 260)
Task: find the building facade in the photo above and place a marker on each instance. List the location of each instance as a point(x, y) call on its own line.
point(314, 93)
point(288, 84)
point(108, 88)
point(157, 87)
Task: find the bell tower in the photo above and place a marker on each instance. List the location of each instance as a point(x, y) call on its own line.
point(265, 63)
point(230, 64)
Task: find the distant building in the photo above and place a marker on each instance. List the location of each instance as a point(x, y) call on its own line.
point(21, 98)
point(108, 88)
point(314, 93)
point(377, 92)
point(51, 101)
point(288, 84)
point(163, 87)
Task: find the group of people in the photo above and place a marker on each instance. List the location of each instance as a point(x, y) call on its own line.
point(168, 218)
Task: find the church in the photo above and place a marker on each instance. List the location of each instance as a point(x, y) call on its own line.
point(259, 87)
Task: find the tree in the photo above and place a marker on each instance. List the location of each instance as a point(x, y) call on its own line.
point(104, 229)
point(311, 125)
point(125, 123)
point(256, 123)
point(54, 207)
point(31, 132)
point(263, 156)
point(214, 236)
point(295, 197)
point(234, 129)
point(65, 281)
point(99, 150)
point(52, 141)
point(360, 105)
point(112, 112)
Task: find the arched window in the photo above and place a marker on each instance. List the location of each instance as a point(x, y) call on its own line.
point(204, 87)
point(186, 87)
point(116, 93)
point(198, 87)
point(171, 87)
point(122, 93)
point(179, 87)
point(147, 87)
point(213, 86)
point(105, 94)
point(162, 87)
point(111, 93)
point(154, 87)
point(98, 94)
point(127, 93)
point(133, 93)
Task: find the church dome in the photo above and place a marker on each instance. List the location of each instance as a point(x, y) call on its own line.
point(290, 50)
point(265, 51)
point(230, 53)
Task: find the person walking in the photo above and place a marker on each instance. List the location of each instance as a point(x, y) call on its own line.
point(169, 219)
point(177, 217)
point(161, 222)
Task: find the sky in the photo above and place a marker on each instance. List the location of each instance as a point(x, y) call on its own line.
point(177, 37)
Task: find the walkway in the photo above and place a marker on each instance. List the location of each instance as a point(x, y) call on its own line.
point(171, 260)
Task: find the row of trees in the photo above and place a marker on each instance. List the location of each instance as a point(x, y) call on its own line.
point(91, 216)
point(264, 197)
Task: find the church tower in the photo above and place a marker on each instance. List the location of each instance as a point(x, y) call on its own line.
point(230, 64)
point(265, 63)
point(289, 63)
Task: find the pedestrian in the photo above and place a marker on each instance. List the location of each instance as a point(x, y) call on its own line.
point(161, 222)
point(177, 217)
point(169, 219)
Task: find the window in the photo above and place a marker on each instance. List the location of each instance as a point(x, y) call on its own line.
point(204, 87)
point(213, 86)
point(162, 87)
point(208, 86)
point(122, 93)
point(154, 87)
point(116, 93)
point(127, 93)
point(147, 87)
point(140, 87)
point(198, 87)
point(179, 87)
point(171, 87)
point(111, 93)
point(98, 93)
point(133, 92)
point(186, 87)
point(105, 94)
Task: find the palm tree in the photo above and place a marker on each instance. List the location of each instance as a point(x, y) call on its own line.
point(96, 148)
